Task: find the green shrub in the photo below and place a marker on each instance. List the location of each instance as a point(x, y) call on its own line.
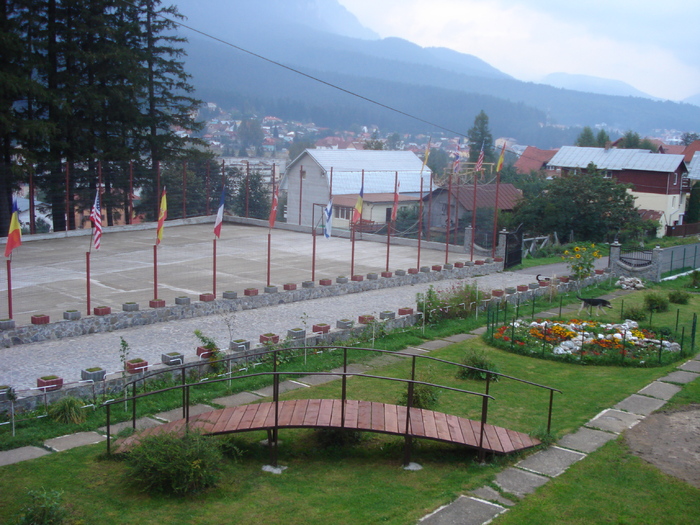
point(424, 396)
point(177, 465)
point(476, 358)
point(694, 280)
point(635, 313)
point(655, 302)
point(46, 508)
point(678, 297)
point(68, 409)
point(338, 437)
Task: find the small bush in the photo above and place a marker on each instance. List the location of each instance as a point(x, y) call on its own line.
point(694, 280)
point(338, 437)
point(230, 448)
point(635, 313)
point(477, 359)
point(678, 297)
point(177, 465)
point(655, 302)
point(46, 508)
point(424, 396)
point(68, 409)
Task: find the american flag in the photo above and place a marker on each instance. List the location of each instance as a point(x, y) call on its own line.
point(96, 218)
point(480, 161)
point(456, 165)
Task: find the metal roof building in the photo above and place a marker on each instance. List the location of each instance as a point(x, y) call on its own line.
point(573, 157)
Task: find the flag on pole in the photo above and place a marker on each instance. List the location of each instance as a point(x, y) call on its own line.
point(499, 164)
point(220, 215)
point(14, 234)
point(357, 214)
point(395, 209)
point(425, 157)
point(96, 219)
point(162, 215)
point(273, 211)
point(480, 161)
point(328, 216)
point(456, 165)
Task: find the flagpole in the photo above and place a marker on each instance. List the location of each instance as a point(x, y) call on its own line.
point(313, 242)
point(495, 216)
point(9, 286)
point(87, 275)
point(388, 226)
point(420, 221)
point(213, 285)
point(448, 226)
point(471, 252)
point(155, 272)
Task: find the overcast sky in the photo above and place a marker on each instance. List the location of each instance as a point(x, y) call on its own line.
point(652, 45)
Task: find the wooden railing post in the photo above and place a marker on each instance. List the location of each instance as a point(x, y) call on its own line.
point(109, 437)
point(276, 400)
point(343, 394)
point(133, 405)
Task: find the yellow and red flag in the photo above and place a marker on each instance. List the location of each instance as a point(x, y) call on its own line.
point(499, 164)
point(14, 235)
point(162, 215)
point(357, 214)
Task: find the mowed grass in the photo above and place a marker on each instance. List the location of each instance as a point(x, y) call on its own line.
point(365, 483)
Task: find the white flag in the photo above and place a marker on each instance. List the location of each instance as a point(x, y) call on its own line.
point(328, 215)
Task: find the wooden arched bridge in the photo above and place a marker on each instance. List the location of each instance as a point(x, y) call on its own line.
point(407, 421)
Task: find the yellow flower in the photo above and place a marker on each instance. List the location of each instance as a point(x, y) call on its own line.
point(566, 252)
point(578, 255)
point(592, 245)
point(577, 249)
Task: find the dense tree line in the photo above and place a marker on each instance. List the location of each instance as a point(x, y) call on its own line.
point(86, 81)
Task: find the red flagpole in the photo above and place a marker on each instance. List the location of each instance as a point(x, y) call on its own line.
point(420, 221)
point(131, 193)
point(155, 271)
point(269, 247)
point(32, 211)
point(495, 216)
point(388, 226)
point(430, 206)
point(313, 243)
point(473, 219)
point(87, 272)
point(448, 226)
point(9, 288)
point(214, 271)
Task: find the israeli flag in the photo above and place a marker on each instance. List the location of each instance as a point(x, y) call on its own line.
point(328, 215)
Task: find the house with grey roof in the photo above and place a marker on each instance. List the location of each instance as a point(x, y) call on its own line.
point(315, 175)
point(659, 182)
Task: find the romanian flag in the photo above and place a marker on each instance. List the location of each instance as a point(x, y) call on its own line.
point(162, 215)
point(357, 214)
point(499, 164)
point(220, 215)
point(273, 212)
point(14, 235)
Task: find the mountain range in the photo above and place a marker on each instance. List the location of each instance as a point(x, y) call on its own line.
point(440, 88)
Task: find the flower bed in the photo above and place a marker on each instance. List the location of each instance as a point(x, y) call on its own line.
point(588, 342)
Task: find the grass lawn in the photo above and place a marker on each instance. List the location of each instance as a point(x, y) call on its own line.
point(366, 484)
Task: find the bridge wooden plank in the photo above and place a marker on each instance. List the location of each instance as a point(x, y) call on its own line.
point(506, 443)
point(311, 417)
point(222, 423)
point(299, 412)
point(378, 416)
point(286, 411)
point(351, 412)
point(429, 426)
point(443, 430)
point(494, 442)
point(325, 413)
point(472, 429)
point(270, 418)
point(416, 427)
point(261, 415)
point(391, 419)
point(336, 413)
point(516, 439)
point(364, 415)
point(401, 419)
point(528, 441)
point(248, 416)
point(456, 434)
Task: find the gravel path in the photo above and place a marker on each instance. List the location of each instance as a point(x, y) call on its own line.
point(21, 365)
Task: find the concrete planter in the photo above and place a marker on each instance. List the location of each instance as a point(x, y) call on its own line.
point(344, 324)
point(400, 273)
point(207, 297)
point(270, 289)
point(71, 315)
point(387, 314)
point(425, 269)
point(510, 290)
point(469, 263)
point(7, 324)
point(448, 266)
point(250, 292)
point(94, 374)
point(182, 300)
point(102, 310)
point(230, 294)
point(49, 383)
point(156, 303)
point(130, 307)
point(533, 286)
point(239, 345)
point(172, 358)
point(372, 276)
point(40, 319)
point(296, 334)
point(289, 287)
point(308, 284)
point(341, 280)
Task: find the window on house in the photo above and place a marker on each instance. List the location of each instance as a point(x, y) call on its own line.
point(675, 179)
point(607, 174)
point(342, 212)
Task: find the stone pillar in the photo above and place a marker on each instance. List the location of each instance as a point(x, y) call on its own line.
point(614, 258)
point(655, 270)
point(501, 248)
point(468, 239)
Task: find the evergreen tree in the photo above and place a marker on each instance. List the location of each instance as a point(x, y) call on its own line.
point(480, 136)
point(251, 194)
point(602, 138)
point(586, 138)
point(693, 212)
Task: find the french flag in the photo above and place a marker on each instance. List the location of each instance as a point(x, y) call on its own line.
point(219, 215)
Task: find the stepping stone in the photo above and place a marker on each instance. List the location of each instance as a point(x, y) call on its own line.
point(175, 414)
point(412, 351)
point(318, 380)
point(284, 386)
point(434, 345)
point(70, 441)
point(242, 398)
point(352, 369)
point(458, 338)
point(586, 440)
point(141, 423)
point(519, 482)
point(614, 421)
point(680, 377)
point(691, 366)
point(10, 457)
point(479, 331)
point(660, 390)
point(464, 511)
point(491, 494)
point(641, 405)
point(551, 462)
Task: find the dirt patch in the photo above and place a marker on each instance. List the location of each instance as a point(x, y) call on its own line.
point(670, 441)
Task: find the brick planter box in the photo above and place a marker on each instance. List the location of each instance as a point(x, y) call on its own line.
point(289, 287)
point(40, 319)
point(498, 259)
point(365, 319)
point(204, 352)
point(358, 278)
point(135, 367)
point(250, 292)
point(269, 338)
point(599, 272)
point(564, 279)
point(436, 268)
point(543, 284)
point(157, 303)
point(102, 310)
point(207, 297)
point(325, 282)
point(49, 383)
point(230, 294)
point(497, 293)
point(386, 274)
point(413, 271)
point(405, 311)
point(479, 262)
point(322, 328)
point(522, 288)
